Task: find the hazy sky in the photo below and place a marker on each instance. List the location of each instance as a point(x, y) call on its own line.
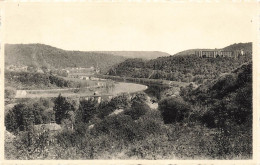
point(141, 26)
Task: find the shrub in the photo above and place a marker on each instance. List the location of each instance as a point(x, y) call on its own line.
point(121, 102)
point(137, 110)
point(139, 97)
point(120, 127)
point(173, 109)
point(104, 109)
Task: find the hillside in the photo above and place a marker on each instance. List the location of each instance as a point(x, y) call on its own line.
point(43, 55)
point(146, 55)
point(227, 85)
point(247, 47)
point(226, 104)
point(183, 67)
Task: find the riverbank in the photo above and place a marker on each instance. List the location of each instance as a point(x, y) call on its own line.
point(144, 81)
point(94, 91)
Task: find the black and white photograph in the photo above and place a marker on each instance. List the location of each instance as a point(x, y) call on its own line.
point(169, 80)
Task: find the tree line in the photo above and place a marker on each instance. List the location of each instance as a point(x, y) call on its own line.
point(185, 68)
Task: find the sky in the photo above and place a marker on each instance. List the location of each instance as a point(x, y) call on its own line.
point(167, 27)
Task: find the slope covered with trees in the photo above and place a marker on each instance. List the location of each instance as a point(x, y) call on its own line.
point(185, 67)
point(40, 55)
point(225, 104)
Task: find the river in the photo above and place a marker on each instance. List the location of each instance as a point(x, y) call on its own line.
point(120, 87)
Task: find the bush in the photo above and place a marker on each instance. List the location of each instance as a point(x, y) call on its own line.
point(173, 109)
point(104, 109)
point(139, 97)
point(121, 102)
point(120, 127)
point(137, 110)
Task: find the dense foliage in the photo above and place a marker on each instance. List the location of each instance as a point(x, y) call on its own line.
point(228, 97)
point(138, 107)
point(173, 109)
point(62, 108)
point(185, 68)
point(24, 115)
point(226, 104)
point(27, 80)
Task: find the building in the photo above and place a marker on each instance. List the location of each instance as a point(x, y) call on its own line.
point(218, 53)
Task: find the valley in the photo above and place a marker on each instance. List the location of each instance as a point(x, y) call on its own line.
point(77, 105)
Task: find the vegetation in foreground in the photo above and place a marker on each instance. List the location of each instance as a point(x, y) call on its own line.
point(210, 122)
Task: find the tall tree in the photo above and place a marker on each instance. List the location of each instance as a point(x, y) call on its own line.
point(61, 108)
point(87, 110)
point(21, 117)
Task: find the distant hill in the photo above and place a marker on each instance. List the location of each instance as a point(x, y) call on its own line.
point(247, 47)
point(184, 66)
point(147, 55)
point(44, 55)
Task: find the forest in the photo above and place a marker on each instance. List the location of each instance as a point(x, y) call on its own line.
point(184, 67)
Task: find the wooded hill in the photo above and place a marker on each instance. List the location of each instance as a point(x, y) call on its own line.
point(184, 66)
point(237, 46)
point(40, 55)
